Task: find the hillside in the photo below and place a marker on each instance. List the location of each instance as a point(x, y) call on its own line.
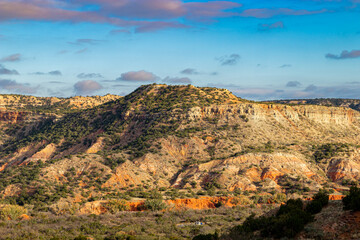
point(19, 110)
point(184, 142)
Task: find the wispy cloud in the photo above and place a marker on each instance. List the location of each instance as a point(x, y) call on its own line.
point(344, 55)
point(156, 26)
point(292, 84)
point(15, 87)
point(11, 58)
point(180, 80)
point(189, 71)
point(139, 16)
point(86, 41)
point(6, 71)
point(89, 75)
point(81, 51)
point(285, 66)
point(143, 15)
point(232, 59)
point(119, 31)
point(266, 27)
point(52, 73)
point(270, 12)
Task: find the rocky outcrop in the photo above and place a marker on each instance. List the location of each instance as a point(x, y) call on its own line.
point(96, 207)
point(340, 168)
point(12, 117)
point(241, 172)
point(96, 147)
point(45, 153)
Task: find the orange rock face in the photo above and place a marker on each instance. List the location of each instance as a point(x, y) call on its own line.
point(331, 198)
point(336, 197)
point(271, 174)
point(343, 168)
point(93, 208)
point(136, 206)
point(12, 117)
point(24, 217)
point(3, 167)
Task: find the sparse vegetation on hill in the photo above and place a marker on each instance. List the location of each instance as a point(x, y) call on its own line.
point(329, 102)
point(163, 143)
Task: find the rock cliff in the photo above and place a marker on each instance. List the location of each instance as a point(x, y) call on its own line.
point(201, 140)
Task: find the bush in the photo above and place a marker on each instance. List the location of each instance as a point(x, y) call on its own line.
point(154, 205)
point(291, 205)
point(314, 207)
point(209, 236)
point(279, 197)
point(115, 206)
point(328, 150)
point(12, 212)
point(81, 237)
point(323, 197)
point(288, 221)
point(352, 200)
point(287, 225)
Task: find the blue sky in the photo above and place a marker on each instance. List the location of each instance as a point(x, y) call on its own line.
point(257, 49)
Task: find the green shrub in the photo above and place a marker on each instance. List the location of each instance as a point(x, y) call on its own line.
point(291, 205)
point(12, 212)
point(115, 206)
point(320, 200)
point(328, 150)
point(81, 237)
point(352, 200)
point(154, 205)
point(314, 207)
point(322, 196)
point(209, 236)
point(289, 220)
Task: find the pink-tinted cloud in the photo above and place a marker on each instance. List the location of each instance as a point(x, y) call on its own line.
point(344, 55)
point(145, 9)
point(141, 15)
point(12, 58)
point(211, 9)
point(47, 11)
point(13, 86)
point(164, 9)
point(86, 87)
point(40, 11)
point(138, 76)
point(269, 13)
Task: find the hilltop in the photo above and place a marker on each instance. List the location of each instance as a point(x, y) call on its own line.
point(51, 104)
point(329, 102)
point(184, 142)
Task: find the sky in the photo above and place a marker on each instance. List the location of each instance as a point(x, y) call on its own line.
point(258, 49)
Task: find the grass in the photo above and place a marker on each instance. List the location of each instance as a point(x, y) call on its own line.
point(138, 225)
